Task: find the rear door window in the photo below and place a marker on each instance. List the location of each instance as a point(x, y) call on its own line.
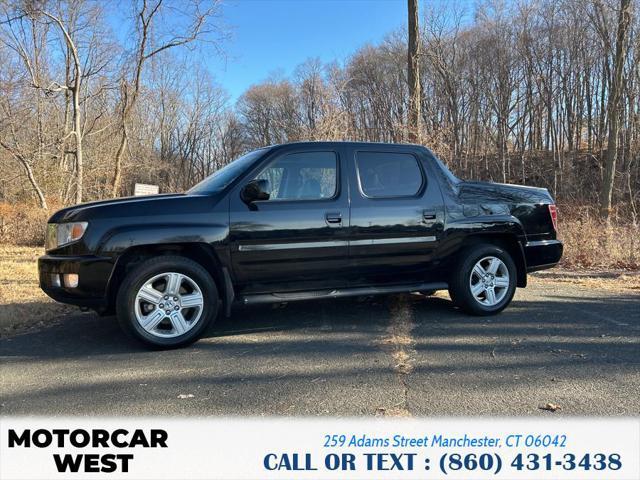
point(387, 175)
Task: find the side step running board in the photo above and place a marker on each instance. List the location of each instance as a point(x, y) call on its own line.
point(338, 293)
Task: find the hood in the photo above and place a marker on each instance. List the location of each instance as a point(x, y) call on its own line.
point(503, 192)
point(130, 207)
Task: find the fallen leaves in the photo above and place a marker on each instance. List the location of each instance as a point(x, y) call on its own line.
point(550, 407)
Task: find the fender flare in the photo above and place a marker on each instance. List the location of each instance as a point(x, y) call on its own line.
point(205, 244)
point(505, 228)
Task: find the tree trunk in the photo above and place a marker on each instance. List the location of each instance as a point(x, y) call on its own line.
point(413, 75)
point(128, 103)
point(36, 188)
point(117, 169)
point(77, 126)
point(613, 109)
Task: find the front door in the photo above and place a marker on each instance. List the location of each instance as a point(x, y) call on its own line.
point(397, 215)
point(297, 239)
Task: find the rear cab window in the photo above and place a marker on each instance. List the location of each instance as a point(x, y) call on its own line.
point(388, 175)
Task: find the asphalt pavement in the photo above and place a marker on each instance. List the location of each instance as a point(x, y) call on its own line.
point(400, 355)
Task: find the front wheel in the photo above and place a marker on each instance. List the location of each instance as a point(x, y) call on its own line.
point(167, 302)
point(484, 281)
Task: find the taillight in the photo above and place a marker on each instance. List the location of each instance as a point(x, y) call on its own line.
point(553, 212)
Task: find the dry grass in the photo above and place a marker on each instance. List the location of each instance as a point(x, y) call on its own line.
point(616, 281)
point(22, 224)
point(399, 342)
point(591, 244)
point(22, 304)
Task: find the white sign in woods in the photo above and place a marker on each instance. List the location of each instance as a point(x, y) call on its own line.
point(145, 189)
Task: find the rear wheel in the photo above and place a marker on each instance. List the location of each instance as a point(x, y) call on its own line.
point(484, 281)
point(167, 302)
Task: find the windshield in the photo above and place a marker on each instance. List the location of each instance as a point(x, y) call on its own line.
point(221, 178)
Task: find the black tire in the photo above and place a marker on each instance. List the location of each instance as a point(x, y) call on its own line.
point(134, 281)
point(460, 284)
point(427, 293)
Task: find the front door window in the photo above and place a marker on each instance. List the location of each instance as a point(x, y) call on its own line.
point(302, 176)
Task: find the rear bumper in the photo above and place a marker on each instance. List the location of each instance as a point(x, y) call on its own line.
point(542, 254)
point(93, 272)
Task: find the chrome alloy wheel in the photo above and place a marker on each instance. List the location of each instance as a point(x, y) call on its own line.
point(169, 305)
point(489, 281)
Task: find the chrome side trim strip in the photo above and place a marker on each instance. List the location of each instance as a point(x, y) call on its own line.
point(334, 243)
point(291, 246)
point(387, 241)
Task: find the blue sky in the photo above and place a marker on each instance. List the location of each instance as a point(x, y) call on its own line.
point(268, 37)
point(274, 36)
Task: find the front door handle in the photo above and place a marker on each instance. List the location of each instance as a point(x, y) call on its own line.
point(333, 217)
point(429, 214)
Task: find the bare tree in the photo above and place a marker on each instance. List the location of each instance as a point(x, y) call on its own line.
point(270, 112)
point(17, 110)
point(73, 86)
point(613, 107)
point(148, 46)
point(413, 69)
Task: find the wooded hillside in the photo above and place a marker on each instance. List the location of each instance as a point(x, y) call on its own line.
point(534, 92)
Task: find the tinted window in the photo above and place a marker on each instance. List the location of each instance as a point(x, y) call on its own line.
point(302, 176)
point(388, 174)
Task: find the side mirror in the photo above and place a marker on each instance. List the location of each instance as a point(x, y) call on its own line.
point(255, 190)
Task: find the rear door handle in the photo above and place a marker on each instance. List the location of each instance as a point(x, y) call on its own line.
point(429, 214)
point(333, 217)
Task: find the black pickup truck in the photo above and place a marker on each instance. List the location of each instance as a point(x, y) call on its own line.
point(294, 222)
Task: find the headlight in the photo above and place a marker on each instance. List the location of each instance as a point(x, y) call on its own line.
point(59, 234)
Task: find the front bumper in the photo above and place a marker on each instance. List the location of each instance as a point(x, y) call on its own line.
point(94, 273)
point(542, 254)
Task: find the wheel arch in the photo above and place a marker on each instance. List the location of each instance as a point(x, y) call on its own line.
point(508, 241)
point(202, 253)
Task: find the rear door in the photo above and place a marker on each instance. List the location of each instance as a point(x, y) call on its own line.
point(296, 240)
point(397, 215)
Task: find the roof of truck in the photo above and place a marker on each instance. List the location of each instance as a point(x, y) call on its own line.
point(347, 142)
